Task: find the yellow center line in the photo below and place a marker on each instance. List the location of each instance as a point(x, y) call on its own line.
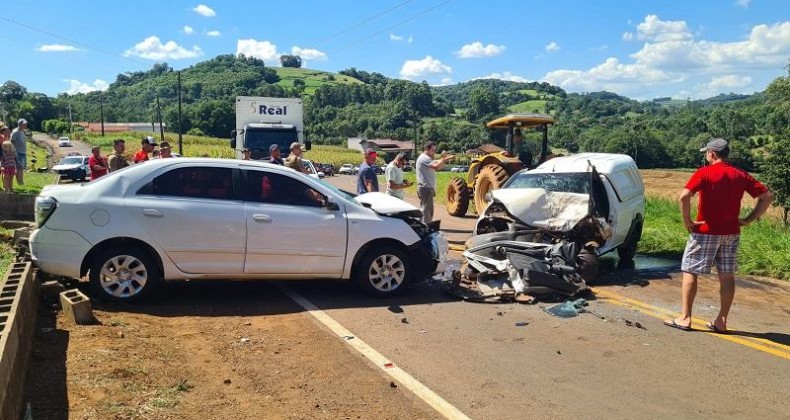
point(770, 347)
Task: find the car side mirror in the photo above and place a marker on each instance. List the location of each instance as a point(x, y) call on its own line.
point(331, 205)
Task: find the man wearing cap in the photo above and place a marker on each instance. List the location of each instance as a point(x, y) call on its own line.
point(294, 160)
point(393, 175)
point(164, 150)
point(116, 160)
point(366, 178)
point(97, 163)
point(716, 232)
point(19, 141)
point(147, 145)
point(274, 155)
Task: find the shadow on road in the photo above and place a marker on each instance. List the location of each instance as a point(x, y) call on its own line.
point(778, 338)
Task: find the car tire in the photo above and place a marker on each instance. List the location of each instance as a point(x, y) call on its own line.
point(458, 196)
point(124, 274)
point(383, 271)
point(627, 250)
point(491, 177)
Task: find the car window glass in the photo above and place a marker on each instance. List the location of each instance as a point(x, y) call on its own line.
point(273, 188)
point(194, 182)
point(556, 182)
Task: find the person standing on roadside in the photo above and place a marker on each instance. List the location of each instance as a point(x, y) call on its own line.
point(274, 155)
point(393, 174)
point(8, 166)
point(366, 178)
point(165, 151)
point(147, 145)
point(19, 141)
point(294, 160)
point(716, 232)
point(97, 163)
point(426, 178)
point(116, 160)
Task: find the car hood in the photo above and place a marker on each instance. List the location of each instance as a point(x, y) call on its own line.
point(553, 211)
point(65, 167)
point(386, 204)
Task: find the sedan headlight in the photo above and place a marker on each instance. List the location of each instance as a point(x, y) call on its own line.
point(44, 208)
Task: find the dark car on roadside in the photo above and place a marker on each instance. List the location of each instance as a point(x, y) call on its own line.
point(328, 169)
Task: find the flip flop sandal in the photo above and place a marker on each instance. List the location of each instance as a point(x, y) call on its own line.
point(673, 324)
point(714, 329)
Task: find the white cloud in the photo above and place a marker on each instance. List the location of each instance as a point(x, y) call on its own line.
point(476, 49)
point(308, 54)
point(204, 10)
point(672, 60)
point(75, 86)
point(743, 3)
point(188, 30)
point(264, 50)
point(552, 47)
point(410, 40)
point(57, 48)
point(153, 49)
point(394, 37)
point(445, 81)
point(657, 30)
point(628, 36)
point(213, 33)
point(413, 69)
point(505, 76)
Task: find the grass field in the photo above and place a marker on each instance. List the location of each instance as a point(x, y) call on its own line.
point(6, 250)
point(313, 78)
point(35, 181)
point(533, 106)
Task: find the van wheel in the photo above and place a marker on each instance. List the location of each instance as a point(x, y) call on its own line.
point(383, 271)
point(627, 250)
point(124, 274)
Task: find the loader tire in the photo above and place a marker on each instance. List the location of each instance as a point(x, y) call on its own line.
point(457, 197)
point(492, 177)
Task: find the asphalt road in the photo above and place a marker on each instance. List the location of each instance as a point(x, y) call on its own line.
point(620, 363)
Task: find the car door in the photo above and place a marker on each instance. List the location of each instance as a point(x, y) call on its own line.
point(193, 214)
point(290, 230)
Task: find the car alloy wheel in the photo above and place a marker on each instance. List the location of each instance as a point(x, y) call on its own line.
point(387, 273)
point(123, 276)
point(384, 271)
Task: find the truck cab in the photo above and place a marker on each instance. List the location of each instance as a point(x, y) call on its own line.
point(262, 122)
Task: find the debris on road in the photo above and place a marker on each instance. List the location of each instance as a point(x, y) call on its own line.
point(244, 339)
point(636, 324)
point(396, 309)
point(522, 324)
point(568, 309)
point(404, 320)
point(347, 337)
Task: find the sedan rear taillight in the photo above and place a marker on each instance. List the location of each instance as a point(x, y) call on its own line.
point(44, 208)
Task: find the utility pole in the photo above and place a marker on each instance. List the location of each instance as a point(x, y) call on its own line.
point(101, 110)
point(180, 129)
point(71, 122)
point(159, 117)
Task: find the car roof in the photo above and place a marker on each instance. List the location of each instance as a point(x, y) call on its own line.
point(605, 163)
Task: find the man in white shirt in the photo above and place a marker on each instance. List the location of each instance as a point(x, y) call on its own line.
point(393, 173)
point(426, 178)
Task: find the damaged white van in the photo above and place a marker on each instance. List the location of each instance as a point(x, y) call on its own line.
point(593, 199)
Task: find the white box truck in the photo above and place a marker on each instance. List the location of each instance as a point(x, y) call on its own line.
point(261, 122)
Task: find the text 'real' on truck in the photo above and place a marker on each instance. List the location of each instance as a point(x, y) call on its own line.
point(261, 122)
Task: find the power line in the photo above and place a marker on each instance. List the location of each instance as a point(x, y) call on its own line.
point(34, 29)
point(335, 35)
point(424, 12)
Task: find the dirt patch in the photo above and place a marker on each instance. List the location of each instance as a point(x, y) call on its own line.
point(218, 351)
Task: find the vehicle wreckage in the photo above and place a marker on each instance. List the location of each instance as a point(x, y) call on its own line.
point(543, 232)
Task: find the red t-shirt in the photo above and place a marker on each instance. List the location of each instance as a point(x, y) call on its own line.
point(721, 187)
point(93, 161)
point(140, 156)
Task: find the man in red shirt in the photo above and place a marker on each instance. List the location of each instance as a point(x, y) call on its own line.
point(147, 146)
point(716, 232)
point(97, 163)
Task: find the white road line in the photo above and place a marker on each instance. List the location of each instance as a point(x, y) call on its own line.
point(424, 393)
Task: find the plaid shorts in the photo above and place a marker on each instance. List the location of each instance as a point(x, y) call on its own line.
point(702, 251)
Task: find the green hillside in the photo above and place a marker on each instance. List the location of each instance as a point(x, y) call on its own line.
point(313, 79)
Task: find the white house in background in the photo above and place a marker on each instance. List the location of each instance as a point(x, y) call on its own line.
point(387, 148)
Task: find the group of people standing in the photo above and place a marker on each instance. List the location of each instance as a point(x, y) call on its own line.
point(293, 161)
point(426, 166)
point(116, 160)
point(13, 154)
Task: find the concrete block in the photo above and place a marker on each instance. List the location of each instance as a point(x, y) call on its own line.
point(22, 233)
point(50, 290)
point(77, 307)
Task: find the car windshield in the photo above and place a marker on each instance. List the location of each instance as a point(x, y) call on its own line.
point(556, 182)
point(258, 141)
point(73, 160)
point(348, 197)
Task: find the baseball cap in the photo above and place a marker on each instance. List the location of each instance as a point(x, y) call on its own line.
point(21, 121)
point(717, 145)
point(295, 144)
point(369, 151)
point(148, 140)
point(277, 147)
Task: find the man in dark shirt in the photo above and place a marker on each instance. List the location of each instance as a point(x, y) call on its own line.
point(274, 155)
point(716, 232)
point(366, 179)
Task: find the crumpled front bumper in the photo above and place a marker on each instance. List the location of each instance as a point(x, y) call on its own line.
point(429, 255)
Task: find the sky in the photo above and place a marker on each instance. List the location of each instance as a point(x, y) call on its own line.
point(642, 49)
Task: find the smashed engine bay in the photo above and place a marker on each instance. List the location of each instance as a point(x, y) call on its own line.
point(531, 243)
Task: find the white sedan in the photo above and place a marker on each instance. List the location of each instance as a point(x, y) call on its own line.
point(64, 142)
point(227, 219)
point(347, 169)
